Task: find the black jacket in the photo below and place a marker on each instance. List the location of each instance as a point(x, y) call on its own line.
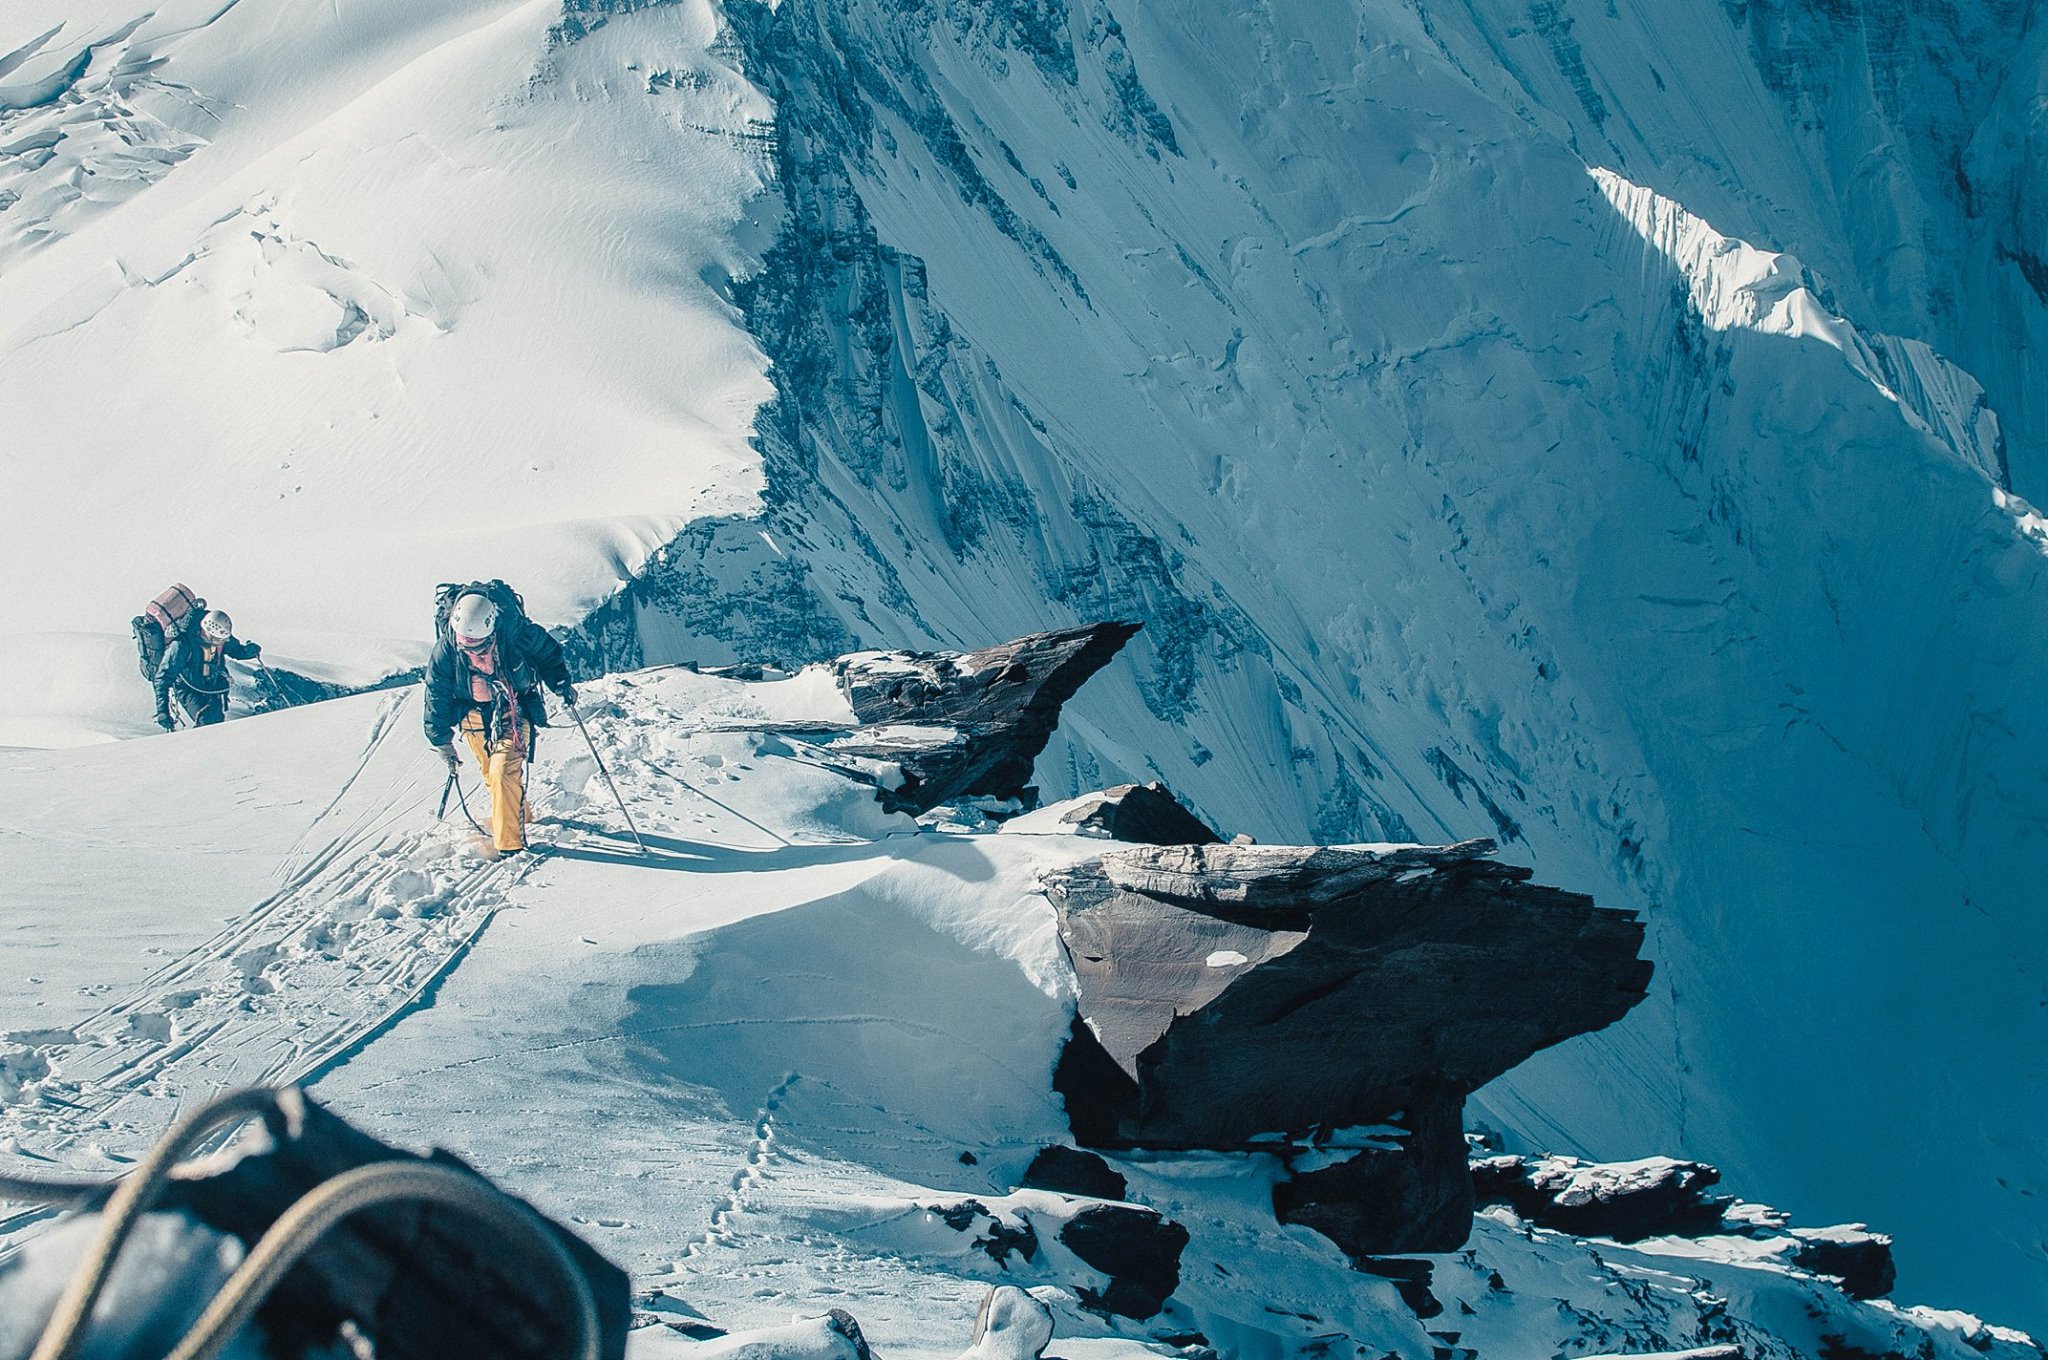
point(531, 659)
point(188, 665)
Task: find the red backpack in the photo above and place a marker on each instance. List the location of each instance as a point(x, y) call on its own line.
point(162, 619)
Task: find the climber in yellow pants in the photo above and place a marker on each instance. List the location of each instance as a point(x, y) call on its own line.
point(503, 762)
point(483, 680)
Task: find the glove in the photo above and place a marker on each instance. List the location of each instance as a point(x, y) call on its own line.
point(567, 694)
point(447, 753)
point(163, 720)
point(255, 649)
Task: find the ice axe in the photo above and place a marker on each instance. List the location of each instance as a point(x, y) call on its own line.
point(454, 786)
point(607, 777)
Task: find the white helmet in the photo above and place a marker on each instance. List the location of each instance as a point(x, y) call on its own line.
point(217, 626)
point(474, 618)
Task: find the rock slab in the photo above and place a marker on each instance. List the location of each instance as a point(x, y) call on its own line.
point(1243, 996)
point(992, 711)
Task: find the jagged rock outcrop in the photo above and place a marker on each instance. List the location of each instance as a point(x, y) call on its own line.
point(1118, 1259)
point(1138, 1249)
point(1070, 1171)
point(1626, 1201)
point(1859, 1258)
point(1664, 1197)
point(994, 711)
point(1237, 996)
point(1142, 814)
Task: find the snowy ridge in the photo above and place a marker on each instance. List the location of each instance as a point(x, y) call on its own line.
point(1453, 500)
point(796, 1058)
point(1734, 284)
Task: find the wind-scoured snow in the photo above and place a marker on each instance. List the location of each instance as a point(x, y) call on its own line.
point(315, 305)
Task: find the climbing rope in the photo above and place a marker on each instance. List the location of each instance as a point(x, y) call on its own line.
point(297, 1231)
point(125, 1207)
point(464, 802)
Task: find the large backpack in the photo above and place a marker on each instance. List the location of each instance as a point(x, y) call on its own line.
point(165, 617)
point(511, 608)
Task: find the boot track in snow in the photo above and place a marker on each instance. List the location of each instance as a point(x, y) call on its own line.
point(367, 923)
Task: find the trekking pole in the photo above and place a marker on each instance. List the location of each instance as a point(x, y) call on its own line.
point(607, 777)
point(276, 685)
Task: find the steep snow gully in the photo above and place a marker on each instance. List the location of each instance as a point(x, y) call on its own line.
point(1603, 426)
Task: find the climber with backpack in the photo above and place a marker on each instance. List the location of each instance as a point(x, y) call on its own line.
point(484, 679)
point(194, 670)
point(164, 618)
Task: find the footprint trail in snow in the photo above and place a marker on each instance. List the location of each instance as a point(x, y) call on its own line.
point(378, 902)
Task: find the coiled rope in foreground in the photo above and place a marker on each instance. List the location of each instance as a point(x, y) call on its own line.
point(295, 1232)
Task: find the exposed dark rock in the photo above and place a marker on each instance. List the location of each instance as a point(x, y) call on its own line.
point(1408, 1198)
point(1143, 814)
point(1133, 1250)
point(1662, 1197)
point(423, 1281)
point(1411, 1279)
point(1230, 992)
point(1137, 1248)
point(1626, 1201)
point(998, 708)
point(1244, 990)
point(1070, 1171)
point(1001, 1241)
point(1861, 1260)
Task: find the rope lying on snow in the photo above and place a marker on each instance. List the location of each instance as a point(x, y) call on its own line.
point(131, 1198)
point(295, 1232)
point(24, 1190)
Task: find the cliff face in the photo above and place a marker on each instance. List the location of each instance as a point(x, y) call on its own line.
point(1466, 492)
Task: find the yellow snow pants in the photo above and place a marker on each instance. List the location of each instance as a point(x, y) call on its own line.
point(504, 765)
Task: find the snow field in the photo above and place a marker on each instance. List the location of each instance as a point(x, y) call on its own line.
point(750, 1064)
point(432, 294)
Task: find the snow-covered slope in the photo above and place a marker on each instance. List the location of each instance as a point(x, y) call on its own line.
point(1470, 482)
point(314, 305)
point(760, 1066)
point(1578, 423)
